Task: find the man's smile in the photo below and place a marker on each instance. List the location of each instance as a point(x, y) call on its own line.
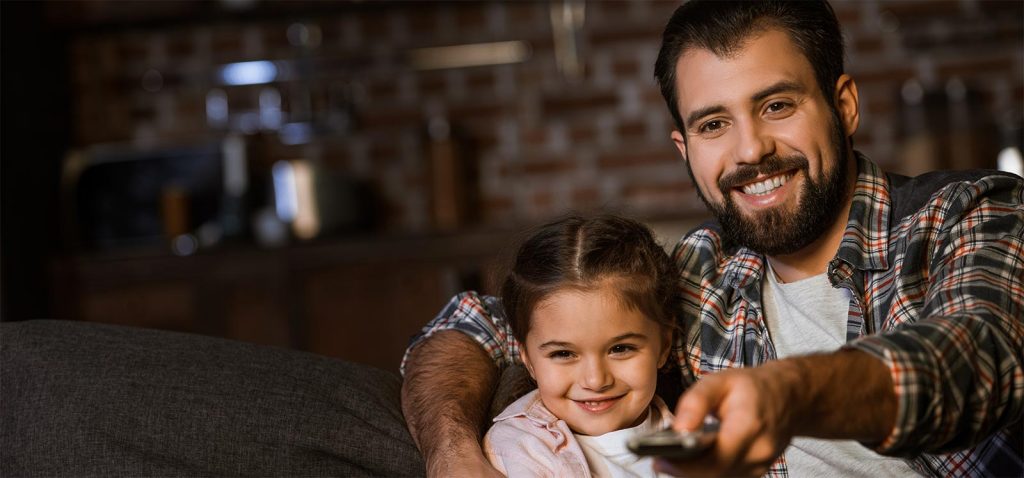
point(766, 185)
point(766, 191)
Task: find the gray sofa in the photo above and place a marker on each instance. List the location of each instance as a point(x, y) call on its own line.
point(83, 399)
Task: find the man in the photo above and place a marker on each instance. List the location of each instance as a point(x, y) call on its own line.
point(839, 320)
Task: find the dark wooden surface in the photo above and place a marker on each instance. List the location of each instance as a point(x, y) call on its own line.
point(356, 299)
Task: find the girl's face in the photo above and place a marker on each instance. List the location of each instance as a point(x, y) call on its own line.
point(595, 361)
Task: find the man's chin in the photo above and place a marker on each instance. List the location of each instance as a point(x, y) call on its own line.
point(765, 231)
point(769, 233)
point(760, 224)
point(755, 215)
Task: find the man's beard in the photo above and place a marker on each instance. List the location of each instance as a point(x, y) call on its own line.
point(778, 231)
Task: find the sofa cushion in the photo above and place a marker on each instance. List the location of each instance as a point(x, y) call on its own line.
point(84, 399)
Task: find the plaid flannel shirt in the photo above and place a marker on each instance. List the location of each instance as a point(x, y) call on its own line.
point(935, 265)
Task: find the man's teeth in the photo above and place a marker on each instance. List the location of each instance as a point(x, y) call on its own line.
point(766, 186)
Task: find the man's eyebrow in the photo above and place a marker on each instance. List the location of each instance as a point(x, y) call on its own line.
point(780, 87)
point(705, 111)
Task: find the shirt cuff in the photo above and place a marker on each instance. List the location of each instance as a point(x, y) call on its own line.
point(905, 387)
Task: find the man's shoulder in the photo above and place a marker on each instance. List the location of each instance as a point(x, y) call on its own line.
point(707, 238)
point(706, 252)
point(909, 195)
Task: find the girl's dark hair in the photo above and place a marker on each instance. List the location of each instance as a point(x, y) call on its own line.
point(721, 27)
point(579, 252)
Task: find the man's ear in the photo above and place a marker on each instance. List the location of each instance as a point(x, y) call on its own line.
point(526, 361)
point(848, 103)
point(680, 142)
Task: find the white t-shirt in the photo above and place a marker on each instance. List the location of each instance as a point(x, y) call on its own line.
point(608, 457)
point(810, 316)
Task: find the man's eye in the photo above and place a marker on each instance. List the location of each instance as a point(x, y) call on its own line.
point(711, 126)
point(777, 106)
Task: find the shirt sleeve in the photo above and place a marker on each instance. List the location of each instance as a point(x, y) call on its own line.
point(482, 318)
point(958, 371)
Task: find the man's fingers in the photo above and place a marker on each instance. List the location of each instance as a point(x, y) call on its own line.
point(763, 451)
point(698, 467)
point(741, 447)
point(737, 431)
point(699, 401)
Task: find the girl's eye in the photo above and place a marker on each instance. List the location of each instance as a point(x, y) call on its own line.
point(622, 349)
point(560, 355)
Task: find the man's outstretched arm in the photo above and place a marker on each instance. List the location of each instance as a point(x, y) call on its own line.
point(842, 395)
point(449, 383)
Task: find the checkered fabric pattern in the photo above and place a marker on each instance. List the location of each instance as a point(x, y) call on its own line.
point(935, 265)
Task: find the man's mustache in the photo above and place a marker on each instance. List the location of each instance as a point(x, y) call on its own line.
point(769, 166)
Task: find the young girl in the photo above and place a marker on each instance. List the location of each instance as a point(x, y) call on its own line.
point(593, 302)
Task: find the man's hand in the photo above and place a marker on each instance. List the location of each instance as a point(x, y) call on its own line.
point(449, 381)
point(755, 428)
point(843, 395)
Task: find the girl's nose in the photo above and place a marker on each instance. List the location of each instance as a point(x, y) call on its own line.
point(596, 376)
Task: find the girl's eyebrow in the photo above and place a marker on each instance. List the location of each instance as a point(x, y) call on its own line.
point(619, 338)
point(630, 335)
point(554, 344)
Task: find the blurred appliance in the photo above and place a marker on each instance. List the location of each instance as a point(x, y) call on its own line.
point(124, 196)
point(314, 202)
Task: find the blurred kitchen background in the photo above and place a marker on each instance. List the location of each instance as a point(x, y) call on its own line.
point(324, 175)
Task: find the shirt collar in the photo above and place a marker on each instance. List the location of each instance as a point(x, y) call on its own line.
point(529, 406)
point(865, 240)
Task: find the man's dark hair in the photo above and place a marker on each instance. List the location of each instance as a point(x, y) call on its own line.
point(584, 253)
point(721, 27)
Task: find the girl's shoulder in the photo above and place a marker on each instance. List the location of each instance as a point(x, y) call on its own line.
point(526, 439)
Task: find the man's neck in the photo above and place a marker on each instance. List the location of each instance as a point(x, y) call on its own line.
point(813, 259)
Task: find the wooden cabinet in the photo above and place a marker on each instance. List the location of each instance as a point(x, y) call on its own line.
point(356, 299)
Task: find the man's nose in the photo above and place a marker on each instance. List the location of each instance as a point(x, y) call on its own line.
point(754, 143)
point(596, 375)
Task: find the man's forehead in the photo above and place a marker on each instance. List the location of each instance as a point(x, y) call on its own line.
point(730, 49)
point(704, 76)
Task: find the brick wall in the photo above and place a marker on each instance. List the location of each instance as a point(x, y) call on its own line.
point(542, 143)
